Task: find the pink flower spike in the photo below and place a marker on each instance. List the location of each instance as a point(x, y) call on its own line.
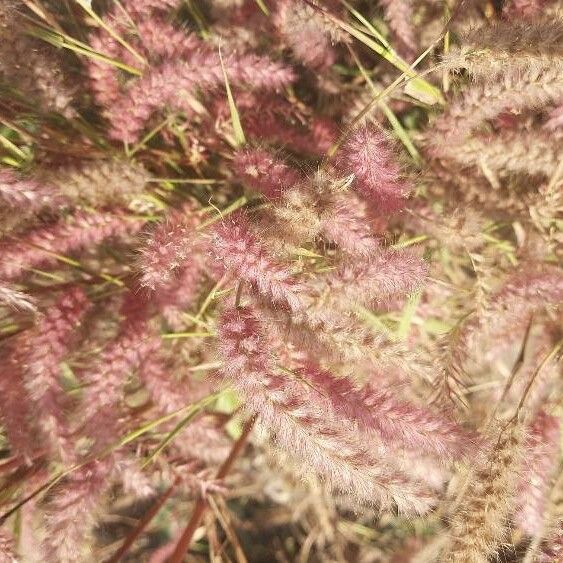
point(243, 256)
point(7, 551)
point(387, 274)
point(397, 423)
point(543, 447)
point(301, 425)
point(169, 248)
point(263, 172)
point(14, 408)
point(555, 120)
point(345, 223)
point(38, 247)
point(399, 16)
point(42, 350)
point(368, 155)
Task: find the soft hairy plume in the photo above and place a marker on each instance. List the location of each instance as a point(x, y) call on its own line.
point(173, 298)
point(514, 9)
point(16, 300)
point(345, 223)
point(399, 17)
point(147, 7)
point(102, 183)
point(299, 426)
point(14, 407)
point(170, 84)
point(264, 172)
point(552, 548)
point(384, 275)
point(509, 46)
point(555, 120)
point(509, 152)
point(308, 32)
point(541, 462)
point(243, 256)
point(42, 350)
point(169, 248)
point(83, 230)
point(478, 526)
point(368, 154)
point(72, 514)
point(513, 90)
point(167, 393)
point(34, 70)
point(127, 352)
point(24, 193)
point(396, 423)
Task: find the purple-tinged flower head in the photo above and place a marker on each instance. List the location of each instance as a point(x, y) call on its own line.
point(541, 463)
point(166, 392)
point(540, 286)
point(170, 84)
point(265, 173)
point(179, 294)
point(71, 514)
point(345, 223)
point(132, 478)
point(106, 376)
point(398, 424)
point(385, 275)
point(244, 257)
point(301, 426)
point(240, 343)
point(552, 548)
point(42, 350)
point(272, 119)
point(178, 44)
point(169, 248)
point(369, 155)
point(24, 194)
point(399, 16)
point(514, 9)
point(478, 526)
point(104, 78)
point(83, 230)
point(137, 348)
point(101, 183)
point(14, 407)
point(309, 35)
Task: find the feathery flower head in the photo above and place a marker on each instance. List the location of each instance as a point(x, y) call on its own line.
point(170, 247)
point(386, 274)
point(368, 154)
point(242, 256)
point(299, 424)
point(264, 172)
point(102, 183)
point(83, 230)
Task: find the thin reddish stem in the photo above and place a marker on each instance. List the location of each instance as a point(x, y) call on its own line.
point(184, 542)
point(144, 522)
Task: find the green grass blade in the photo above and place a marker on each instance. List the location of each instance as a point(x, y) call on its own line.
point(235, 117)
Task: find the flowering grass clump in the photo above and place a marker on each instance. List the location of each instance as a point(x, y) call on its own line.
point(280, 280)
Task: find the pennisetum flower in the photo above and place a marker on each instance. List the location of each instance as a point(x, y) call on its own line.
point(243, 257)
point(368, 155)
point(299, 424)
